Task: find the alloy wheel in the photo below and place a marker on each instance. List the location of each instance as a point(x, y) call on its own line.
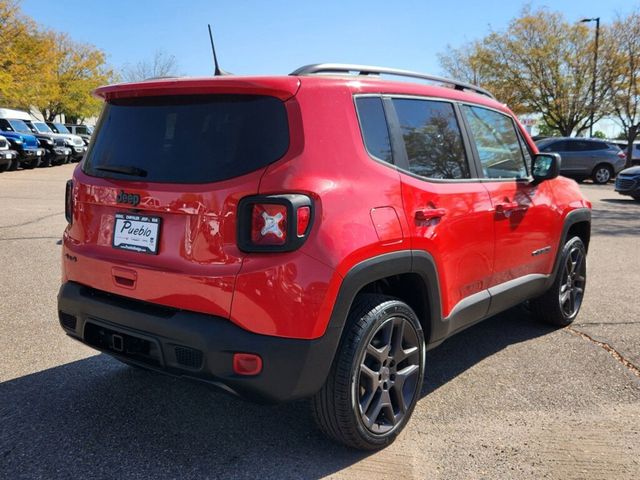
point(388, 375)
point(573, 282)
point(603, 175)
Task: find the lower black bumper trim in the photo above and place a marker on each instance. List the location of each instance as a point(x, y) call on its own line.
point(292, 368)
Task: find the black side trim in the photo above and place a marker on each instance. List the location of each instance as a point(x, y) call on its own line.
point(386, 265)
point(512, 293)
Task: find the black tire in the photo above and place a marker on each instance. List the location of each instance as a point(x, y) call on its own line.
point(359, 375)
point(45, 162)
point(4, 167)
point(31, 164)
point(560, 304)
point(14, 165)
point(602, 174)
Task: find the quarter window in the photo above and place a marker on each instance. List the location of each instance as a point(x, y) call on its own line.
point(374, 127)
point(432, 139)
point(497, 143)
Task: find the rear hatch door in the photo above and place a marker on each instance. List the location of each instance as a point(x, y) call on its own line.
point(156, 197)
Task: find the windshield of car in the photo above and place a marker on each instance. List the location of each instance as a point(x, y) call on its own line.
point(61, 128)
point(42, 127)
point(188, 138)
point(20, 126)
point(31, 126)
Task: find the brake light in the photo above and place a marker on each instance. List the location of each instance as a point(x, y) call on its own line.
point(274, 223)
point(68, 202)
point(622, 155)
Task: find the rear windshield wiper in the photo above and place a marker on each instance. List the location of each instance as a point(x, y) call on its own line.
point(124, 169)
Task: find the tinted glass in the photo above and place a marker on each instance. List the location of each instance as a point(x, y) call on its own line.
point(4, 125)
point(497, 143)
point(374, 127)
point(432, 138)
point(189, 139)
point(560, 146)
point(42, 127)
point(61, 128)
point(528, 159)
point(20, 126)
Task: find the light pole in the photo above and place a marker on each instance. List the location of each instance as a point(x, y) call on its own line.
point(595, 70)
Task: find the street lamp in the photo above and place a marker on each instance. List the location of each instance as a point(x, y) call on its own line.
point(595, 70)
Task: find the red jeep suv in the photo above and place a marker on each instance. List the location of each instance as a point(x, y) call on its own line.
point(312, 235)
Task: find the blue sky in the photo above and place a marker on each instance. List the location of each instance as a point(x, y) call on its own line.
point(275, 37)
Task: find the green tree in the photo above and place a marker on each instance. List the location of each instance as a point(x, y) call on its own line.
point(541, 64)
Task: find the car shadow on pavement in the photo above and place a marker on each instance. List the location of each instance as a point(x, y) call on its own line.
point(614, 221)
point(97, 418)
point(466, 349)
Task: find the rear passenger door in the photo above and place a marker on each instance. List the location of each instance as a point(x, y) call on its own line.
point(447, 208)
point(522, 210)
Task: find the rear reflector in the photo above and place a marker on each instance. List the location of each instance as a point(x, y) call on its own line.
point(247, 364)
point(269, 224)
point(274, 223)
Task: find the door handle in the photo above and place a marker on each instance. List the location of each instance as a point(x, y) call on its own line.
point(424, 214)
point(508, 207)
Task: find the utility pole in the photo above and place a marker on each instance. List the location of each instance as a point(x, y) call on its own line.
point(595, 71)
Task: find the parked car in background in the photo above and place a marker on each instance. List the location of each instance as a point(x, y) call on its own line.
point(63, 148)
point(21, 139)
point(584, 157)
point(7, 156)
point(77, 143)
point(83, 131)
point(628, 182)
point(635, 158)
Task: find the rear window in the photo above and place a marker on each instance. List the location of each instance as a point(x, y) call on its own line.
point(188, 139)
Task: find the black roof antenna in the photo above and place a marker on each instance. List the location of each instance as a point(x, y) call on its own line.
point(217, 71)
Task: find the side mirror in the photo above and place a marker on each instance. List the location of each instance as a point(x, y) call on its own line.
point(545, 166)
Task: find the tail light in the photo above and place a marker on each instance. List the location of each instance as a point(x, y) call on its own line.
point(68, 202)
point(622, 155)
point(274, 223)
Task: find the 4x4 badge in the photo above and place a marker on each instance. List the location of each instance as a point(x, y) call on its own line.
point(130, 198)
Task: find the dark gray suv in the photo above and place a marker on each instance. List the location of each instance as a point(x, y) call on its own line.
point(584, 157)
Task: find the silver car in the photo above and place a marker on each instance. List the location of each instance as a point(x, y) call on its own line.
point(585, 157)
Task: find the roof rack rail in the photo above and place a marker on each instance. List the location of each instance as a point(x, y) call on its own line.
point(370, 70)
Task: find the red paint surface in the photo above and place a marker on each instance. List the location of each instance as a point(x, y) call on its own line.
point(200, 268)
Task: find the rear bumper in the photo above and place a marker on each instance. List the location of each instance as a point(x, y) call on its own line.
point(194, 345)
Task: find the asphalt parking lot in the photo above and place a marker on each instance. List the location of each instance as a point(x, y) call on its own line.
point(508, 398)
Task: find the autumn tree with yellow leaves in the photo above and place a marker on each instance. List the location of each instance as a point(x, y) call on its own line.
point(47, 69)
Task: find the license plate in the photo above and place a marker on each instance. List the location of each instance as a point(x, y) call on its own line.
point(8, 156)
point(138, 233)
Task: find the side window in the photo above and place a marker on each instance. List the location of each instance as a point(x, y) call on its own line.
point(497, 143)
point(432, 139)
point(528, 159)
point(374, 127)
point(4, 125)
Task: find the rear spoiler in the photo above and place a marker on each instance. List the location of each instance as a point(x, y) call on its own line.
point(282, 88)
